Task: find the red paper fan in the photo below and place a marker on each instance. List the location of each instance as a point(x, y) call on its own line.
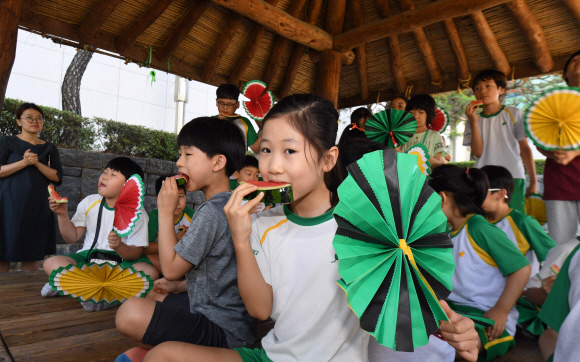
point(129, 206)
point(261, 100)
point(440, 121)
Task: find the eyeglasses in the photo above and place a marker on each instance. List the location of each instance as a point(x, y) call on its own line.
point(492, 190)
point(30, 119)
point(226, 105)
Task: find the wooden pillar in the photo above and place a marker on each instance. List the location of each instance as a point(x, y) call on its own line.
point(8, 37)
point(330, 65)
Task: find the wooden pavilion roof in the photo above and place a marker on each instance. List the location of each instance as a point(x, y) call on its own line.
point(398, 46)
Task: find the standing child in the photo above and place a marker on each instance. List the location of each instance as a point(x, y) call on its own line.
point(490, 273)
point(497, 136)
point(360, 116)
point(286, 261)
point(109, 245)
point(422, 107)
point(399, 102)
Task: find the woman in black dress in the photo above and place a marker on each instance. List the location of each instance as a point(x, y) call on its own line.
point(27, 166)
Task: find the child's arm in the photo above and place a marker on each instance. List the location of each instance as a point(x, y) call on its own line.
point(561, 157)
point(127, 252)
point(514, 287)
point(476, 140)
point(70, 233)
point(436, 160)
point(255, 292)
point(152, 249)
point(528, 160)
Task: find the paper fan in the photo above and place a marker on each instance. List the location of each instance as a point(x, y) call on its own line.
point(129, 206)
point(391, 127)
point(553, 120)
point(261, 100)
point(440, 121)
point(395, 259)
point(423, 154)
point(100, 282)
point(536, 207)
point(528, 317)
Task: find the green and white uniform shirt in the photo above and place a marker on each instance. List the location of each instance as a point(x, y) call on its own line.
point(484, 257)
point(244, 124)
point(313, 319)
point(528, 236)
point(430, 139)
point(183, 221)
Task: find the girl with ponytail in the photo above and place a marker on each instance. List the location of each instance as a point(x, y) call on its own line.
point(490, 272)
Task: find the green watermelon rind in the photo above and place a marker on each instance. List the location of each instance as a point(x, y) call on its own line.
point(132, 224)
point(57, 198)
point(252, 82)
point(273, 194)
point(181, 179)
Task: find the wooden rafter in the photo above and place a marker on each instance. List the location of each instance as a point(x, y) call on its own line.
point(409, 20)
point(490, 43)
point(424, 46)
point(280, 22)
point(394, 49)
point(250, 50)
point(9, 11)
point(534, 34)
point(182, 29)
point(27, 6)
point(574, 7)
point(97, 18)
point(140, 25)
point(457, 47)
point(220, 47)
point(361, 58)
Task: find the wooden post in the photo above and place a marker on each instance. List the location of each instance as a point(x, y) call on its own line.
point(394, 49)
point(361, 59)
point(9, 11)
point(490, 43)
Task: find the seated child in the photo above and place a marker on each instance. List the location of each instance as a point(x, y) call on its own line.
point(183, 215)
point(351, 134)
point(399, 102)
point(250, 172)
point(227, 103)
point(422, 107)
point(210, 151)
point(129, 248)
point(523, 230)
point(490, 272)
point(360, 116)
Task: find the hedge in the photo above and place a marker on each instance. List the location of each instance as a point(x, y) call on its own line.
point(68, 130)
point(539, 165)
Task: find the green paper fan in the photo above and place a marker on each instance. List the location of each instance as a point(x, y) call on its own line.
point(392, 127)
point(395, 259)
point(422, 153)
point(528, 317)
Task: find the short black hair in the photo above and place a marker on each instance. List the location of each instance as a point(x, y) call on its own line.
point(249, 161)
point(568, 63)
point(25, 106)
point(355, 150)
point(214, 136)
point(159, 183)
point(350, 134)
point(400, 97)
point(490, 74)
point(424, 102)
point(357, 114)
point(500, 178)
point(126, 166)
point(227, 91)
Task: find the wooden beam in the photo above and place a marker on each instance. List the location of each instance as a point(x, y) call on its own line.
point(9, 11)
point(361, 58)
point(182, 29)
point(534, 34)
point(394, 49)
point(97, 18)
point(346, 58)
point(280, 22)
point(219, 49)
point(409, 20)
point(27, 6)
point(574, 7)
point(490, 43)
point(140, 25)
point(250, 50)
point(457, 47)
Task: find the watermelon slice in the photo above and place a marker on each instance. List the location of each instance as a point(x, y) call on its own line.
point(440, 121)
point(274, 192)
point(181, 179)
point(59, 200)
point(129, 206)
point(478, 103)
point(261, 100)
point(182, 227)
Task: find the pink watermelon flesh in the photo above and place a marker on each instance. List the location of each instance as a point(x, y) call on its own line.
point(59, 200)
point(260, 101)
point(126, 205)
point(266, 185)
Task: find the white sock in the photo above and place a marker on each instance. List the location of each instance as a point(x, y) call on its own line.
point(95, 307)
point(47, 291)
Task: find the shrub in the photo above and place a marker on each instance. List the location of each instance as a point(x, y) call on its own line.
point(539, 165)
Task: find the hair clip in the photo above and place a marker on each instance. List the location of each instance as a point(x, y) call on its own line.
point(354, 126)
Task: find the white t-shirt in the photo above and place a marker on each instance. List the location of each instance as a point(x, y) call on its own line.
point(87, 215)
point(435, 351)
point(554, 261)
point(313, 319)
point(501, 133)
point(567, 347)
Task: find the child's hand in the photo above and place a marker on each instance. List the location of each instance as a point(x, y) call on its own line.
point(114, 240)
point(564, 157)
point(59, 209)
point(500, 318)
point(471, 112)
point(180, 234)
point(165, 286)
point(460, 333)
point(221, 116)
point(240, 217)
point(548, 283)
point(168, 197)
point(532, 189)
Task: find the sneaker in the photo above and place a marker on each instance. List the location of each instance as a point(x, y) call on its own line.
point(47, 291)
point(95, 307)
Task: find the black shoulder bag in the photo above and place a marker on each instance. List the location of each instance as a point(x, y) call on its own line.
point(99, 257)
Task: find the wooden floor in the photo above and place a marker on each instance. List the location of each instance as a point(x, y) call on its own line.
point(58, 329)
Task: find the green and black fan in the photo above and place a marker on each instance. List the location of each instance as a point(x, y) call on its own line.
point(528, 317)
point(395, 258)
point(392, 127)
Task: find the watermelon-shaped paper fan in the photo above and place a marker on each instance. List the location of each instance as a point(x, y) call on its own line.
point(422, 153)
point(440, 121)
point(260, 99)
point(100, 282)
point(395, 257)
point(553, 120)
point(129, 206)
point(391, 127)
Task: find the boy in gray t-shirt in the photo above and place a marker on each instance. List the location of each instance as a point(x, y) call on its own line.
point(210, 151)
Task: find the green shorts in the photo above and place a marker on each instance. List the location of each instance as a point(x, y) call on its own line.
point(81, 257)
point(253, 354)
point(518, 201)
